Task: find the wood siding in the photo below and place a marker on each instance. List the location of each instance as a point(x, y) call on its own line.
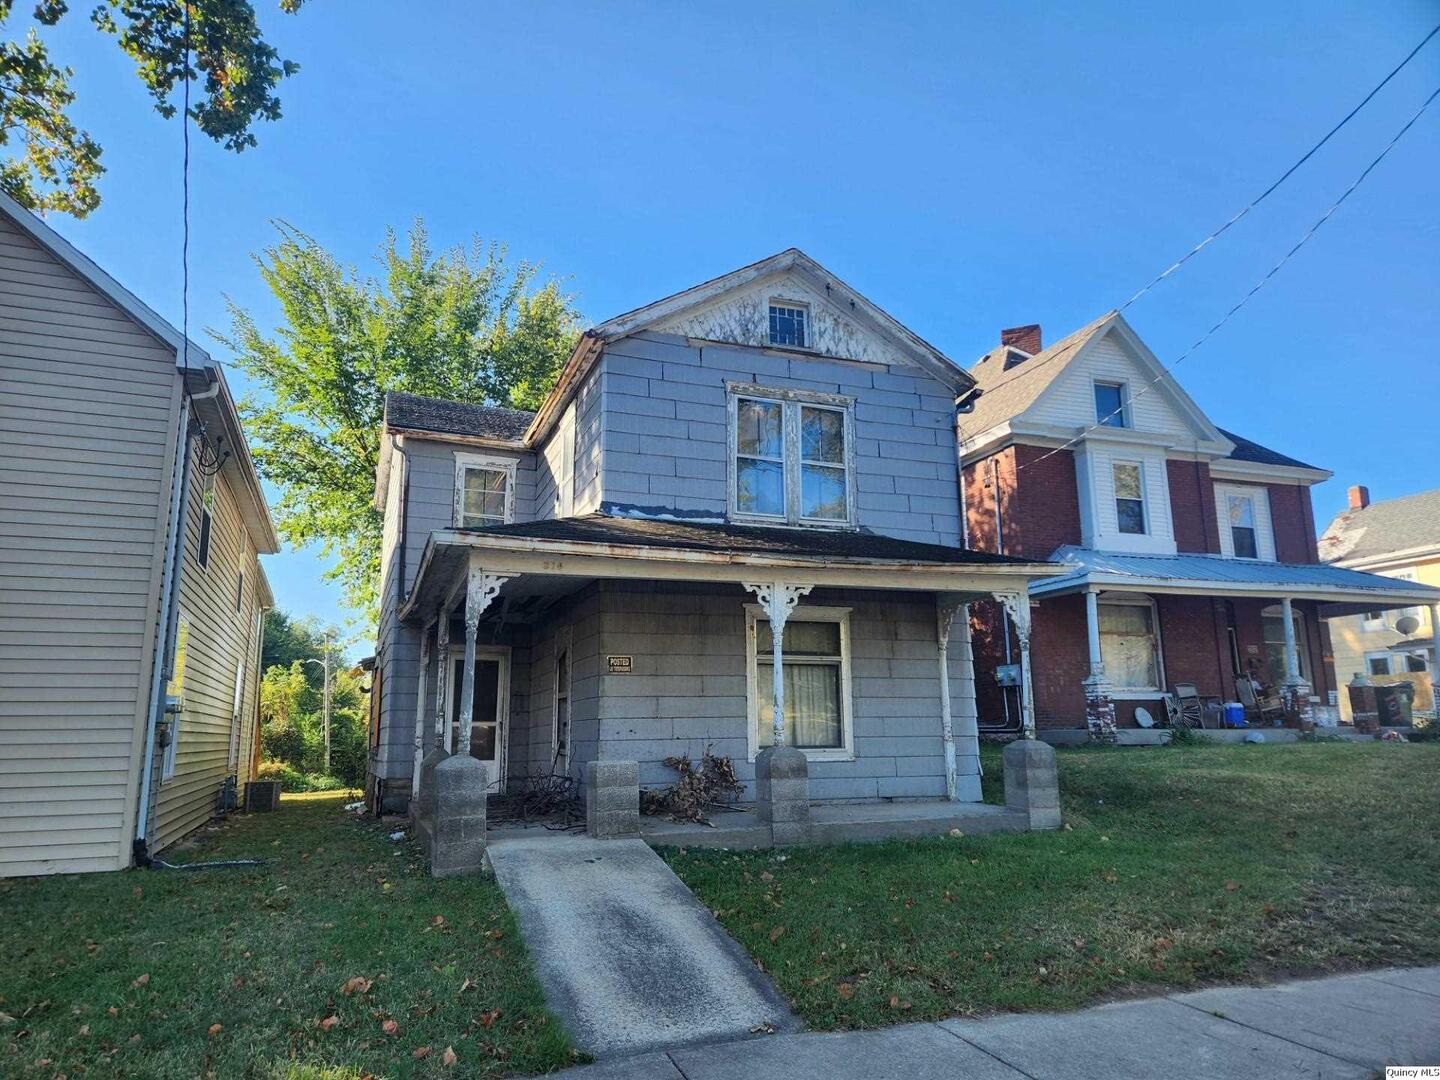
point(88, 405)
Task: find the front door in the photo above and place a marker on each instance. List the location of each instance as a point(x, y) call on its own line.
point(487, 723)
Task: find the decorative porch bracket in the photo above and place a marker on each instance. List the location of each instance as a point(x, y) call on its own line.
point(946, 608)
point(480, 590)
point(1017, 606)
point(779, 599)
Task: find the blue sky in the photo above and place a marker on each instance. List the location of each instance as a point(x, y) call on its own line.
point(967, 166)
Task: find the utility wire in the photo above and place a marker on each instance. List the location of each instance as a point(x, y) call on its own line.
point(1247, 297)
point(185, 204)
point(1283, 176)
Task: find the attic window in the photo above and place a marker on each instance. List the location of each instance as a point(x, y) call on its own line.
point(788, 324)
point(1110, 405)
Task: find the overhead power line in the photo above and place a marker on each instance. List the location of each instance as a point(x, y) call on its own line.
point(1253, 203)
point(1321, 220)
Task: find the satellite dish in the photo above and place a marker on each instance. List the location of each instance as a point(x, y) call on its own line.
point(1407, 624)
point(1143, 717)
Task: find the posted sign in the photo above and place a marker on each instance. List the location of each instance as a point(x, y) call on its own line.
point(619, 665)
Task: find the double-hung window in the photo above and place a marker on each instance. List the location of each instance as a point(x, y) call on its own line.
point(1129, 497)
point(791, 457)
point(816, 661)
point(484, 490)
point(1130, 646)
point(1244, 540)
point(1110, 405)
point(1377, 663)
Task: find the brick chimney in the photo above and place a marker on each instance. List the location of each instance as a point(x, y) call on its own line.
point(1024, 338)
point(1359, 497)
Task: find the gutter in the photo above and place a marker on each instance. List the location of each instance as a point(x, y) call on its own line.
point(164, 653)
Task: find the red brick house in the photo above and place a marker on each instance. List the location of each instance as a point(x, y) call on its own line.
point(1191, 550)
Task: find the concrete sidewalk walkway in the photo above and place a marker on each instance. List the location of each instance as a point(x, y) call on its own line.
point(1342, 1027)
point(630, 961)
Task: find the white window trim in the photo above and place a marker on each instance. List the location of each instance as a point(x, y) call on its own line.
point(1124, 388)
point(807, 307)
point(184, 630)
point(1370, 625)
point(564, 640)
point(464, 462)
point(1381, 655)
point(502, 707)
point(1128, 693)
point(1259, 512)
point(754, 614)
point(1144, 499)
point(790, 401)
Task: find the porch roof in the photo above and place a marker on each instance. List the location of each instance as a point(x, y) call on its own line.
point(1344, 592)
point(603, 546)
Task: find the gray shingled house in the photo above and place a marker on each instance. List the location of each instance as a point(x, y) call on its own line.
point(734, 523)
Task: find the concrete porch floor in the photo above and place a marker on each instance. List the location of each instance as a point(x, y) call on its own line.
point(839, 823)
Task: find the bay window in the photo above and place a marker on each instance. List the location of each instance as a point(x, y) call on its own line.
point(816, 660)
point(790, 457)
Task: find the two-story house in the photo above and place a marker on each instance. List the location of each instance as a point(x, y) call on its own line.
point(1189, 550)
point(1399, 538)
point(735, 523)
point(131, 593)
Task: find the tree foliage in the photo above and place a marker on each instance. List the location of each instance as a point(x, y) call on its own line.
point(233, 70)
point(467, 324)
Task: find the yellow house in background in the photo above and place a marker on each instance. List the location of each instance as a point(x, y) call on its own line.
point(1401, 539)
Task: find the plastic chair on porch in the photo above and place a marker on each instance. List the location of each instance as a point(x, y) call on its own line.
point(1266, 708)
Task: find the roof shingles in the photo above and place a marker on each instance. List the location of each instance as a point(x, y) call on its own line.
point(412, 412)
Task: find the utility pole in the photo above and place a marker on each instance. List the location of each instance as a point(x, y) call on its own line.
point(325, 664)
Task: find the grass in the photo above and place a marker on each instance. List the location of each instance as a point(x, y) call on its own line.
point(1177, 867)
point(129, 974)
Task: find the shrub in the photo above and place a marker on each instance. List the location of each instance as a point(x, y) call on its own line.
point(293, 780)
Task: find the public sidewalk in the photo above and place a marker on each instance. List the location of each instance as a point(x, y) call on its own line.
point(1344, 1026)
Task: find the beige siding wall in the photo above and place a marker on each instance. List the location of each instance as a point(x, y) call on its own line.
point(88, 402)
point(209, 744)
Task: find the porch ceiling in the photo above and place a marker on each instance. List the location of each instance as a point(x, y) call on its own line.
point(556, 561)
point(1339, 590)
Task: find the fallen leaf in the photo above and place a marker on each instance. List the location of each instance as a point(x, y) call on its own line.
point(113, 1011)
point(465, 986)
point(776, 934)
point(357, 985)
point(488, 1018)
point(214, 1029)
point(420, 1052)
point(390, 1027)
point(1231, 886)
point(495, 935)
point(141, 981)
point(84, 1029)
point(449, 1057)
point(329, 1022)
point(765, 875)
point(845, 990)
point(438, 920)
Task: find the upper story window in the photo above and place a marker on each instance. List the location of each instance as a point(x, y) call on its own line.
point(1374, 620)
point(484, 491)
point(789, 324)
point(1245, 531)
point(202, 552)
point(1241, 509)
point(790, 457)
point(1129, 497)
point(1110, 405)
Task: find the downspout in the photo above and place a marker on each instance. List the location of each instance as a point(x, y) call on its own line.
point(164, 654)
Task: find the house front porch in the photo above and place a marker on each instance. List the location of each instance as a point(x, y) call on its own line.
point(811, 661)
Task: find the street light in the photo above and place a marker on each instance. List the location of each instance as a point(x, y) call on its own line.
point(325, 664)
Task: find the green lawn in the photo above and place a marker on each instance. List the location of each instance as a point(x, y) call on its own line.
point(109, 975)
point(1180, 866)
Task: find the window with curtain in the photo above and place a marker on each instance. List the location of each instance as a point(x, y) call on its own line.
point(817, 677)
point(1243, 538)
point(1272, 622)
point(1129, 497)
point(1130, 646)
point(791, 459)
point(483, 491)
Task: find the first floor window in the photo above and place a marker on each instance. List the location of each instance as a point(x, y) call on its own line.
point(484, 492)
point(1130, 645)
point(1242, 526)
point(1377, 663)
point(1415, 662)
point(817, 681)
point(1272, 622)
point(1129, 497)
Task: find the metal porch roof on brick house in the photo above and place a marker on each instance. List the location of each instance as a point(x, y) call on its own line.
point(1215, 575)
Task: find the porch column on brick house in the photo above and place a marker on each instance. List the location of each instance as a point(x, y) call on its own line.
point(1296, 691)
point(1017, 605)
point(945, 611)
point(421, 683)
point(1099, 705)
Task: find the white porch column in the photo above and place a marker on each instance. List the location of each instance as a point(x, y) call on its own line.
point(480, 589)
point(1099, 705)
point(779, 599)
point(442, 674)
point(1296, 691)
point(1435, 660)
point(421, 682)
point(1017, 605)
point(945, 611)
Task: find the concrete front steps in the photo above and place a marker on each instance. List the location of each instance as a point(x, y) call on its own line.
point(840, 823)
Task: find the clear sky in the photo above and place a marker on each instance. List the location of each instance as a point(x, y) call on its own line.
point(967, 166)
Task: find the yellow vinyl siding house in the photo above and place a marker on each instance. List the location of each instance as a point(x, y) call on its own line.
point(97, 401)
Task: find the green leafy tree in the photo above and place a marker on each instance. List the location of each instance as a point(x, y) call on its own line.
point(288, 639)
point(467, 324)
point(233, 71)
